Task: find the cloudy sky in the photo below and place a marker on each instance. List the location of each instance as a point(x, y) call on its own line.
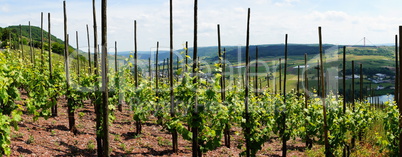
point(342, 21)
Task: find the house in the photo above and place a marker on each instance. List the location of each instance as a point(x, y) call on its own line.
point(350, 76)
point(380, 75)
point(380, 87)
point(301, 67)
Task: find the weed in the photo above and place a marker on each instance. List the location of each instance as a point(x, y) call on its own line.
point(52, 132)
point(81, 114)
point(91, 145)
point(17, 135)
point(117, 138)
point(122, 146)
point(163, 142)
point(30, 140)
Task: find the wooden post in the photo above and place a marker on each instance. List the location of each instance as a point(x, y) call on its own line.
point(157, 80)
point(247, 129)
point(21, 43)
point(96, 50)
point(137, 122)
point(327, 148)
point(120, 106)
point(30, 45)
point(399, 95)
point(344, 79)
point(361, 83)
point(172, 105)
point(309, 143)
point(185, 68)
point(396, 71)
point(105, 80)
point(149, 68)
point(318, 78)
point(284, 139)
point(280, 75)
point(227, 127)
point(135, 57)
point(54, 108)
point(89, 53)
point(353, 96)
point(163, 67)
point(41, 43)
point(298, 80)
point(50, 53)
point(70, 110)
point(78, 59)
point(99, 140)
point(256, 71)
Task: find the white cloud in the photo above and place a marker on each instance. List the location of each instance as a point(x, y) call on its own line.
point(285, 3)
point(5, 8)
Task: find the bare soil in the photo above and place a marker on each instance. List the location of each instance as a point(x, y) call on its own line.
point(51, 137)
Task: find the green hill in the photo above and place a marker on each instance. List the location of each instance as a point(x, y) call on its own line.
point(13, 33)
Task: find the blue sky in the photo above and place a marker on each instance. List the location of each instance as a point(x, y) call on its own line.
point(342, 21)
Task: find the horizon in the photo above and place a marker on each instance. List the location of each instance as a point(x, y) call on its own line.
point(343, 22)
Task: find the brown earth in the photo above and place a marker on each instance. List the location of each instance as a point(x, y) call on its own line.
point(52, 137)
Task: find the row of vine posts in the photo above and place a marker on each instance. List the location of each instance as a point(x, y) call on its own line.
point(101, 108)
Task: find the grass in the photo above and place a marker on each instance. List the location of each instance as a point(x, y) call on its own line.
point(30, 140)
point(91, 145)
point(81, 114)
point(17, 135)
point(117, 138)
point(164, 142)
point(365, 148)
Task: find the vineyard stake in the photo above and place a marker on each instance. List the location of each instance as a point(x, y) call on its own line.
point(327, 149)
point(97, 93)
point(284, 139)
point(157, 79)
point(78, 59)
point(117, 80)
point(400, 83)
point(41, 43)
point(149, 68)
point(318, 78)
point(309, 143)
point(50, 50)
point(280, 75)
point(172, 110)
point(95, 40)
point(256, 71)
point(247, 129)
point(53, 108)
point(185, 68)
point(30, 45)
point(89, 53)
point(345, 149)
point(163, 67)
point(220, 61)
point(298, 80)
point(353, 96)
point(396, 71)
point(21, 43)
point(137, 122)
point(344, 79)
point(105, 81)
point(70, 110)
point(361, 82)
point(135, 57)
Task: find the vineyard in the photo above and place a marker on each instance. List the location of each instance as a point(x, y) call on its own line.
point(65, 104)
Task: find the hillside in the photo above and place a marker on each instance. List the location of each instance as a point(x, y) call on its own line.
point(13, 33)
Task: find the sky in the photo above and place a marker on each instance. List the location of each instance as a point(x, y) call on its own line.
point(343, 22)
